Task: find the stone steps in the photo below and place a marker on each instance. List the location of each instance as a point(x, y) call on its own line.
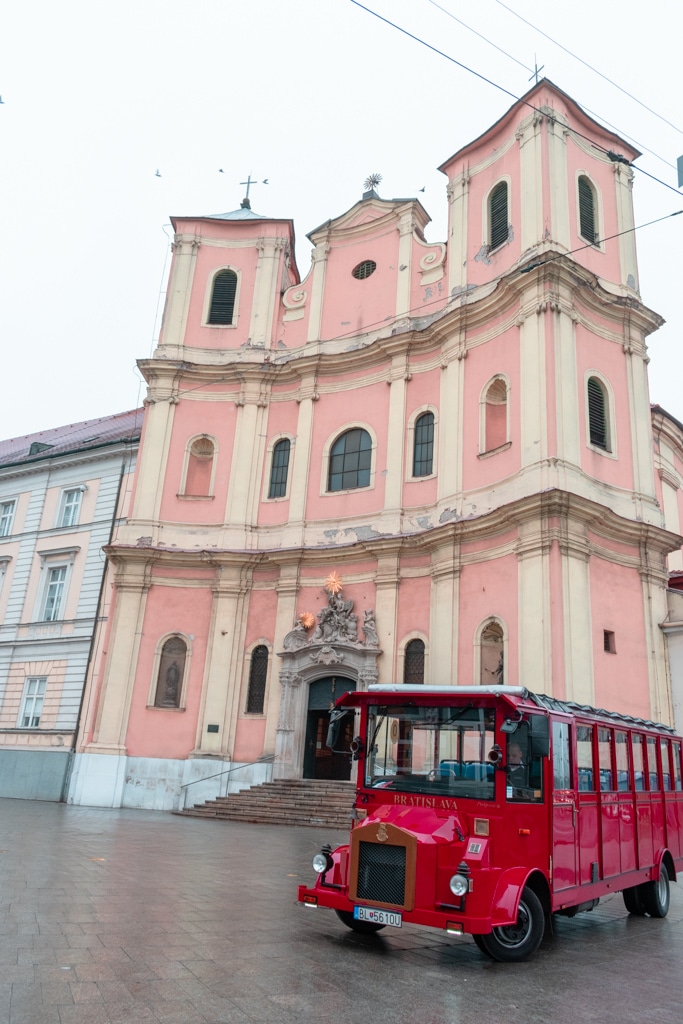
point(284, 802)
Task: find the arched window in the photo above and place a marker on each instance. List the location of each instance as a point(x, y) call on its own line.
point(496, 412)
point(598, 423)
point(258, 672)
point(222, 307)
point(200, 467)
point(498, 215)
point(279, 468)
point(492, 666)
point(587, 218)
point(171, 673)
point(350, 461)
point(423, 449)
point(414, 663)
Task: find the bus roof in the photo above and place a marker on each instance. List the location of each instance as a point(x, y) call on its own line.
point(512, 695)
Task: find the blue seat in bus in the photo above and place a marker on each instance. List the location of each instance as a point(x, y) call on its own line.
point(622, 781)
point(640, 781)
point(585, 780)
point(605, 780)
point(449, 769)
point(478, 770)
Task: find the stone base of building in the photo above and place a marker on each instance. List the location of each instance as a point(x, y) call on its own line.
point(158, 784)
point(34, 774)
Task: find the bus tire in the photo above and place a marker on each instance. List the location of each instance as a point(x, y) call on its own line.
point(362, 927)
point(633, 901)
point(479, 940)
point(656, 895)
point(514, 942)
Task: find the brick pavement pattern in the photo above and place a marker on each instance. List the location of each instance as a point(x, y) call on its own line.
point(120, 916)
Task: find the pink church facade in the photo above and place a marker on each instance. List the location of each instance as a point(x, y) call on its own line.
point(423, 459)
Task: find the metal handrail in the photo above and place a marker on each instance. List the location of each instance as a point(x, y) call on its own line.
point(247, 764)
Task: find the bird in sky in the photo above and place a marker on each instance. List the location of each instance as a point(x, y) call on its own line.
point(221, 171)
point(157, 173)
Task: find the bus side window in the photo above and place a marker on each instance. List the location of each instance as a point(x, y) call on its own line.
point(584, 758)
point(676, 748)
point(666, 764)
point(621, 749)
point(638, 772)
point(605, 758)
point(562, 777)
point(652, 763)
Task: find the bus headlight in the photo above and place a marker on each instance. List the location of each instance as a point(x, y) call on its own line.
point(322, 861)
point(459, 885)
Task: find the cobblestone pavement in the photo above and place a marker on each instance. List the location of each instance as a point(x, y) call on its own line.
point(124, 916)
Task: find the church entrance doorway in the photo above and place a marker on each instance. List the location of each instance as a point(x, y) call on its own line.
point(319, 761)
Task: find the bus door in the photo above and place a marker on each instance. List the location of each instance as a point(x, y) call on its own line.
point(564, 823)
point(644, 840)
point(625, 803)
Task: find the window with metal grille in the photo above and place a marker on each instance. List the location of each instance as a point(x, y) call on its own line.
point(350, 461)
point(498, 215)
point(414, 663)
point(609, 642)
point(364, 269)
point(222, 306)
point(6, 517)
point(597, 414)
point(258, 671)
point(32, 703)
point(279, 469)
point(587, 210)
point(171, 673)
point(423, 451)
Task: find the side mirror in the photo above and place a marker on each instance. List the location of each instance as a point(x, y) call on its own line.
point(539, 735)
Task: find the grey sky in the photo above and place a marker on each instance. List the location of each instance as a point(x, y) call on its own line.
point(312, 95)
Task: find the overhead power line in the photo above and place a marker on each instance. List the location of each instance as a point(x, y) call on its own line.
point(590, 67)
point(518, 99)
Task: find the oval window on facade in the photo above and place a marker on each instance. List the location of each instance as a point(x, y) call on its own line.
point(364, 269)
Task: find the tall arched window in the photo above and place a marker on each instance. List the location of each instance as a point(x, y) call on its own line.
point(598, 420)
point(258, 672)
point(492, 669)
point(414, 663)
point(587, 218)
point(200, 467)
point(279, 469)
point(423, 448)
point(350, 461)
point(498, 215)
point(496, 411)
point(171, 673)
point(222, 306)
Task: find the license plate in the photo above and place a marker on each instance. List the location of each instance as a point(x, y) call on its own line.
point(377, 916)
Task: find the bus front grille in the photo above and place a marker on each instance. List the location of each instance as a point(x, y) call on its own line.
point(381, 873)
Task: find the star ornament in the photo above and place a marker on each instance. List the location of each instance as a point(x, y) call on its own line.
point(307, 620)
point(333, 583)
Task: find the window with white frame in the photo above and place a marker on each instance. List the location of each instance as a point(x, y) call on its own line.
point(32, 702)
point(54, 593)
point(71, 506)
point(6, 517)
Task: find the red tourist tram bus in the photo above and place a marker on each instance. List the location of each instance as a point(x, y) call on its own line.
point(483, 810)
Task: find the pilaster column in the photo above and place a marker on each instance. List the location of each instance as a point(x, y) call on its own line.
point(387, 581)
point(639, 419)
point(533, 392)
point(405, 259)
point(153, 454)
point(656, 611)
point(450, 427)
point(535, 654)
point(132, 583)
point(301, 461)
point(290, 736)
point(178, 293)
point(458, 193)
point(566, 395)
point(531, 181)
point(444, 617)
point(577, 621)
point(396, 454)
point(318, 272)
point(266, 289)
point(287, 592)
point(224, 661)
point(623, 184)
point(559, 186)
point(247, 457)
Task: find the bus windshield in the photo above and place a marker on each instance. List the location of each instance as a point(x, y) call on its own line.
point(431, 750)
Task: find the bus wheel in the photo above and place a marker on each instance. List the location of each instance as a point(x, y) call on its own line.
point(514, 942)
point(363, 927)
point(479, 939)
point(633, 901)
point(656, 895)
